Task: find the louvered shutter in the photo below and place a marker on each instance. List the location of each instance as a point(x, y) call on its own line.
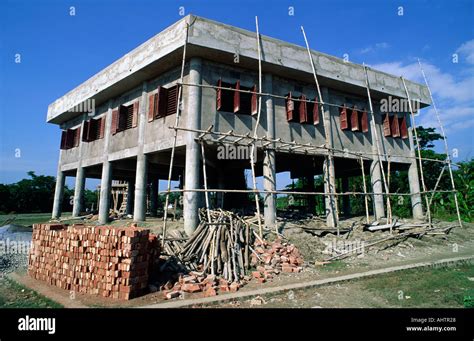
point(403, 127)
point(161, 101)
point(355, 120)
point(386, 126)
point(219, 95)
point(253, 101)
point(395, 128)
point(63, 139)
point(316, 112)
point(171, 100)
point(343, 118)
point(237, 97)
point(303, 110)
point(85, 136)
point(101, 127)
point(364, 122)
point(115, 121)
point(135, 114)
point(151, 107)
point(290, 107)
point(77, 136)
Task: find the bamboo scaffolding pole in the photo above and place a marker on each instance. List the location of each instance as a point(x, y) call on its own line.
point(322, 147)
point(204, 173)
point(330, 158)
point(366, 198)
point(178, 111)
point(389, 204)
point(422, 176)
point(437, 183)
point(253, 148)
point(448, 159)
point(376, 134)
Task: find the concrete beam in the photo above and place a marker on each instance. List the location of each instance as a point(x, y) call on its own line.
point(193, 159)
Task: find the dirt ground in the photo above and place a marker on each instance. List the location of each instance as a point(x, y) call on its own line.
point(459, 242)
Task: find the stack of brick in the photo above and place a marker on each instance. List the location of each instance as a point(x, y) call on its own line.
point(271, 258)
point(100, 260)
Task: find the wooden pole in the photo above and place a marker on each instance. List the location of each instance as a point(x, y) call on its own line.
point(178, 111)
point(446, 149)
point(330, 158)
point(420, 163)
point(374, 127)
point(204, 173)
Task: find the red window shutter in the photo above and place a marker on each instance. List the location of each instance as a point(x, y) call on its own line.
point(290, 108)
point(85, 136)
point(77, 136)
point(303, 110)
point(69, 139)
point(161, 101)
point(135, 113)
point(122, 118)
point(151, 107)
point(355, 119)
point(395, 127)
point(343, 118)
point(253, 103)
point(115, 121)
point(237, 97)
point(101, 127)
point(219, 95)
point(63, 139)
point(316, 112)
point(364, 122)
point(386, 126)
point(403, 127)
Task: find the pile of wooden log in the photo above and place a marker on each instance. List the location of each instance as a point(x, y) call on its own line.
point(221, 245)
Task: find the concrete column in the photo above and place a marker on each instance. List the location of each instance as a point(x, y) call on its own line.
point(58, 194)
point(377, 188)
point(416, 205)
point(192, 164)
point(78, 203)
point(154, 197)
point(105, 187)
point(139, 209)
point(414, 182)
point(309, 187)
point(346, 202)
point(269, 165)
point(106, 178)
point(130, 191)
point(328, 167)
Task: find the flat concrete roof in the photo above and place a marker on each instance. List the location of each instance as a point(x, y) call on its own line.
point(220, 42)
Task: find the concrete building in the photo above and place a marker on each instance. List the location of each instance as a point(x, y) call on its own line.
point(126, 135)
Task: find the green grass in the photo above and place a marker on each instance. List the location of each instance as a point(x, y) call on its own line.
point(15, 295)
point(432, 287)
point(27, 219)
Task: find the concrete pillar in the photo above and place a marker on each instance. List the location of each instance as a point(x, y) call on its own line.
point(309, 187)
point(105, 187)
point(269, 165)
point(192, 164)
point(78, 203)
point(130, 191)
point(331, 216)
point(139, 209)
point(58, 195)
point(346, 200)
point(154, 196)
point(377, 188)
point(328, 167)
point(413, 182)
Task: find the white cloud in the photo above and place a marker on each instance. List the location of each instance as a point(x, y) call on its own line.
point(467, 50)
point(373, 48)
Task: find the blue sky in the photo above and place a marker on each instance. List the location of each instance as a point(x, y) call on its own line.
point(59, 51)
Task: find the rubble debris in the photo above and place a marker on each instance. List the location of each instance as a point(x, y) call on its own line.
point(100, 260)
point(275, 257)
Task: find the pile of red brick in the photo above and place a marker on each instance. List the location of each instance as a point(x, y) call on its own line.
point(274, 258)
point(100, 260)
